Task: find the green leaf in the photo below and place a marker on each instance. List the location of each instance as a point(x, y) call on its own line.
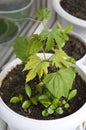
point(60, 27)
point(56, 102)
point(45, 113)
point(48, 36)
point(59, 83)
point(55, 35)
point(59, 59)
point(34, 100)
point(67, 105)
point(60, 37)
point(43, 13)
point(72, 94)
point(51, 109)
point(64, 102)
point(36, 66)
point(14, 99)
point(44, 100)
point(39, 89)
point(43, 97)
point(59, 110)
point(68, 29)
point(28, 90)
point(26, 104)
point(26, 46)
point(20, 97)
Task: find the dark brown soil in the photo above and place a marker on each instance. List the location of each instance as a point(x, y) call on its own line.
point(76, 8)
point(75, 47)
point(14, 85)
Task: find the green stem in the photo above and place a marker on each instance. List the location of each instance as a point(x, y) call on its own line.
point(43, 22)
point(22, 19)
point(44, 55)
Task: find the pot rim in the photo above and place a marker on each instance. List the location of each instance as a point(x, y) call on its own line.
point(12, 114)
point(67, 16)
point(18, 10)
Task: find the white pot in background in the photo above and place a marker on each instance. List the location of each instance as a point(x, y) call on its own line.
point(17, 9)
point(19, 122)
point(79, 25)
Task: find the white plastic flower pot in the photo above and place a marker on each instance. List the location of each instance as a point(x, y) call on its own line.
point(79, 25)
point(19, 122)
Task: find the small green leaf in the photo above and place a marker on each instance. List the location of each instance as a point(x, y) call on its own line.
point(67, 105)
point(20, 97)
point(72, 94)
point(44, 100)
point(56, 102)
point(45, 113)
point(14, 99)
point(43, 97)
point(64, 102)
point(59, 110)
point(26, 104)
point(34, 100)
point(60, 27)
point(68, 29)
point(43, 13)
point(28, 90)
point(51, 109)
point(36, 66)
point(39, 89)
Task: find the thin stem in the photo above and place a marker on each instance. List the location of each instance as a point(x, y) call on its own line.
point(22, 19)
point(43, 22)
point(44, 54)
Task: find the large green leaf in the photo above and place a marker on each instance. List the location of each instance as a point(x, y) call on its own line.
point(36, 66)
point(26, 46)
point(59, 83)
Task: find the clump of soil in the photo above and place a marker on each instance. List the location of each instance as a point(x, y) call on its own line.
point(13, 85)
point(76, 8)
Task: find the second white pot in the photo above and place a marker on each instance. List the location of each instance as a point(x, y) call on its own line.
point(79, 25)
